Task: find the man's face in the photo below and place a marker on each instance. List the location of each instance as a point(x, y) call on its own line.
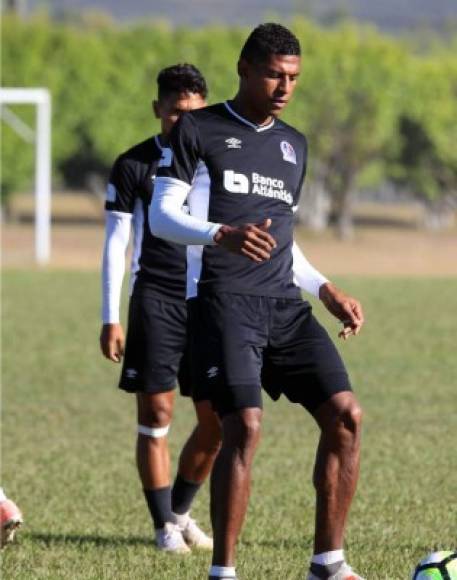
point(269, 86)
point(169, 108)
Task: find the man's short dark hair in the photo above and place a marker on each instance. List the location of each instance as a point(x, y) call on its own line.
point(268, 39)
point(181, 78)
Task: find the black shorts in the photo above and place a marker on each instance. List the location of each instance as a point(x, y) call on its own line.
point(240, 343)
point(156, 356)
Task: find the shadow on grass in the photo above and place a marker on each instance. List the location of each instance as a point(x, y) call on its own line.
point(96, 540)
point(307, 543)
point(119, 541)
point(284, 544)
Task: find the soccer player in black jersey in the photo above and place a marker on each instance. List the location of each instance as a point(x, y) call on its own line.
point(155, 353)
point(249, 324)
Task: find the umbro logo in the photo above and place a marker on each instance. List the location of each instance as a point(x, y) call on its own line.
point(233, 143)
point(131, 373)
point(212, 372)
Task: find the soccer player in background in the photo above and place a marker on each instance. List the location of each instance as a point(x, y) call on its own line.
point(155, 352)
point(249, 325)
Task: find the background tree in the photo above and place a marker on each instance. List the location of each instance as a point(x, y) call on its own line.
point(425, 163)
point(347, 102)
point(373, 108)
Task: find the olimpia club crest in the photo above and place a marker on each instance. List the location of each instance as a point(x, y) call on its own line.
point(288, 152)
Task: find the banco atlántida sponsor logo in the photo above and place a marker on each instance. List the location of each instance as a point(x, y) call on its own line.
point(256, 184)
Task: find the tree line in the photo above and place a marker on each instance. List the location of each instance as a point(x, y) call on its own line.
point(375, 109)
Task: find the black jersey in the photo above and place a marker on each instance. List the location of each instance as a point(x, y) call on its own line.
point(255, 172)
point(157, 264)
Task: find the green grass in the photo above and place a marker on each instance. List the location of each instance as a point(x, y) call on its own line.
point(68, 437)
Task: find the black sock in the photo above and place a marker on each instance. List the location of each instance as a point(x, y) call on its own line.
point(159, 504)
point(326, 571)
point(183, 494)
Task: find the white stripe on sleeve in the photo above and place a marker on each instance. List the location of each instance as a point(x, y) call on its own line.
point(168, 221)
point(117, 233)
point(138, 231)
point(305, 275)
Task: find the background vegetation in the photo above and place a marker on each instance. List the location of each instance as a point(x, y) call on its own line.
point(374, 108)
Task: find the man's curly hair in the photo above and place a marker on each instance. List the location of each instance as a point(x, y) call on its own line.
point(268, 39)
point(181, 78)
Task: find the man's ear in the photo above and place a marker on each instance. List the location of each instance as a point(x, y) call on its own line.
point(156, 109)
point(243, 68)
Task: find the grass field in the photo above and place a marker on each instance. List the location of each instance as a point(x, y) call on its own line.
point(68, 438)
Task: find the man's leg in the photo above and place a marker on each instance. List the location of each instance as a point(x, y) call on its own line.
point(323, 388)
point(200, 450)
point(335, 478)
point(230, 481)
point(153, 462)
point(228, 335)
point(195, 463)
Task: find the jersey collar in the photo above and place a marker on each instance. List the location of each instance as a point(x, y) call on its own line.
point(258, 128)
point(157, 142)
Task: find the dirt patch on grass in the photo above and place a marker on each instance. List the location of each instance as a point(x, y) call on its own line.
point(374, 251)
point(78, 234)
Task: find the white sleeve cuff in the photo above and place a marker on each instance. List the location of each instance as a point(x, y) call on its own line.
point(113, 268)
point(305, 275)
point(168, 221)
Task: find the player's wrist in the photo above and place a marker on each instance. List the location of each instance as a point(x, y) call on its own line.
point(326, 290)
point(221, 233)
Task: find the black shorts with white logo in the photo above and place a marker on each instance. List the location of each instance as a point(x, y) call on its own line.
point(242, 343)
point(156, 356)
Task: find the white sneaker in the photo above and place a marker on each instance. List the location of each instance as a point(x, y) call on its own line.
point(192, 534)
point(344, 573)
point(170, 539)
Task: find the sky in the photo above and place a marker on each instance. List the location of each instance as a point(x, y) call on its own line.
point(393, 15)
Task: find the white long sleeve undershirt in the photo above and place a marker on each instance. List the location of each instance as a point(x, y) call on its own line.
point(167, 221)
point(117, 234)
point(305, 275)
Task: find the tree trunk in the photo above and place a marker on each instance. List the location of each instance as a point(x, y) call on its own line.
point(440, 214)
point(314, 209)
point(342, 210)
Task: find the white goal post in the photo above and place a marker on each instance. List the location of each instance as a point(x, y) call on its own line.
point(42, 138)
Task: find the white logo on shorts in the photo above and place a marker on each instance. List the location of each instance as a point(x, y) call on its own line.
point(212, 372)
point(131, 373)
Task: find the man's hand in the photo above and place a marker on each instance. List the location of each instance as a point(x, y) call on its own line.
point(347, 309)
point(250, 240)
point(112, 342)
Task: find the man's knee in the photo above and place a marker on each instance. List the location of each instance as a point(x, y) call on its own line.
point(341, 413)
point(155, 411)
point(242, 428)
point(209, 428)
point(350, 417)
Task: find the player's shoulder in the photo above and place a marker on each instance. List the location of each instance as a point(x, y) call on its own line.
point(291, 133)
point(206, 115)
point(143, 153)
